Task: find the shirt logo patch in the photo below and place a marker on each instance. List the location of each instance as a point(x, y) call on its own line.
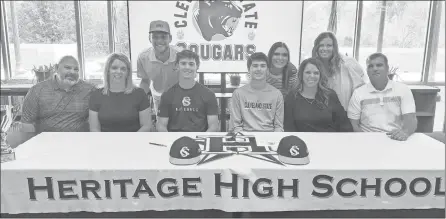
point(186, 101)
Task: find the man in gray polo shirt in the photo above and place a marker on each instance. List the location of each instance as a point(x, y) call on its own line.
point(59, 104)
point(156, 65)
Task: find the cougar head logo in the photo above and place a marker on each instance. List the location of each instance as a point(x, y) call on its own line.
point(217, 18)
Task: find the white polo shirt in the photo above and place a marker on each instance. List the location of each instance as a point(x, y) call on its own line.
point(381, 111)
point(162, 75)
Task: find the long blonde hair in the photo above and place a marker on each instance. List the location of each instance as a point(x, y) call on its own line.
point(336, 60)
point(129, 86)
point(323, 92)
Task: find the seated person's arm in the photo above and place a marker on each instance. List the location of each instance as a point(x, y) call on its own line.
point(212, 123)
point(26, 131)
point(93, 112)
point(409, 126)
point(161, 124)
point(355, 125)
point(212, 113)
point(288, 123)
point(342, 123)
point(409, 117)
point(145, 120)
point(163, 112)
point(27, 127)
point(408, 110)
point(30, 111)
point(236, 121)
point(145, 115)
point(93, 120)
point(354, 112)
point(278, 117)
point(410, 123)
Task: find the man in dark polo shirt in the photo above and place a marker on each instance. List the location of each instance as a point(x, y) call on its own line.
point(59, 104)
point(188, 106)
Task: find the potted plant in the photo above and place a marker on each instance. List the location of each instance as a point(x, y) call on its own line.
point(235, 79)
point(44, 72)
point(392, 73)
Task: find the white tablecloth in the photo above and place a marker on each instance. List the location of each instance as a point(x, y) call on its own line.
point(69, 160)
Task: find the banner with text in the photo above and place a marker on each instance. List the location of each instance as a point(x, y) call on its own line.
point(222, 33)
point(229, 190)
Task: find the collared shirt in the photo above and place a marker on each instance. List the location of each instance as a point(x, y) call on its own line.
point(52, 109)
point(162, 75)
point(381, 111)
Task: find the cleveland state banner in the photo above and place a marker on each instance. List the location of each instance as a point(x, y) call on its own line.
point(222, 33)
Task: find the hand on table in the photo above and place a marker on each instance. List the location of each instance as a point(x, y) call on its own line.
point(398, 134)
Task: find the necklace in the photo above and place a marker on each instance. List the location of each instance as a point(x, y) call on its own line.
point(310, 102)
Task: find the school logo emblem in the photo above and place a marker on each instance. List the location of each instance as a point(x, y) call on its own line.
point(217, 20)
point(218, 147)
point(294, 150)
point(209, 28)
point(186, 101)
point(184, 151)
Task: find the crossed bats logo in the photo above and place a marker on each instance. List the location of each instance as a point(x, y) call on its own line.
point(217, 19)
point(218, 147)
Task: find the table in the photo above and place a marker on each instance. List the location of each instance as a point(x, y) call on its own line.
point(101, 172)
point(15, 89)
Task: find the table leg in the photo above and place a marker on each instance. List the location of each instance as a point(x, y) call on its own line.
point(223, 114)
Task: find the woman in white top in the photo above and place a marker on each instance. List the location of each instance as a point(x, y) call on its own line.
point(344, 73)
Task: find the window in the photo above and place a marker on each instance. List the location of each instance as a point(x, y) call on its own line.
point(371, 11)
point(39, 33)
point(346, 16)
point(405, 37)
point(95, 37)
point(3, 76)
point(316, 20)
point(439, 74)
point(121, 27)
point(440, 111)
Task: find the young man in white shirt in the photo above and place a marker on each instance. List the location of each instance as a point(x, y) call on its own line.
point(156, 65)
